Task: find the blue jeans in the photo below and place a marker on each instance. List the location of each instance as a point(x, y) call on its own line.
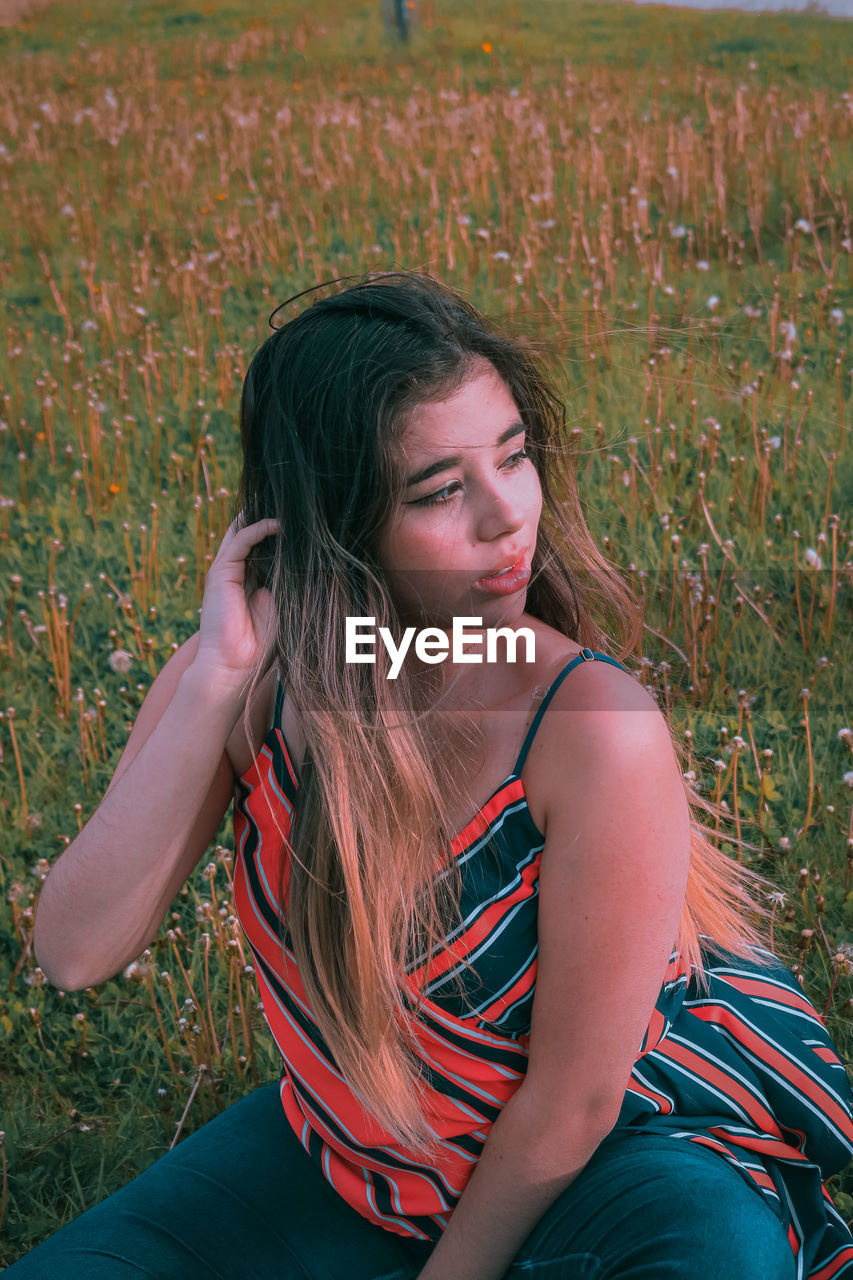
point(240, 1200)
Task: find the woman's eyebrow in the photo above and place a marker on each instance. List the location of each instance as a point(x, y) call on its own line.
point(435, 467)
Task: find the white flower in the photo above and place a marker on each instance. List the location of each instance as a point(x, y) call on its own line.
point(678, 232)
point(713, 302)
point(672, 171)
point(848, 778)
point(702, 265)
point(120, 660)
point(802, 225)
point(774, 441)
point(501, 256)
point(752, 312)
point(813, 559)
point(788, 330)
point(836, 315)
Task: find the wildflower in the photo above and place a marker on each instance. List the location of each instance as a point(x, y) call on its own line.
point(848, 778)
point(702, 265)
point(846, 734)
point(802, 225)
point(486, 47)
point(162, 1092)
point(752, 312)
point(713, 302)
point(678, 232)
point(777, 898)
point(789, 331)
point(813, 559)
point(672, 171)
point(120, 660)
point(501, 256)
point(836, 315)
point(784, 844)
point(775, 442)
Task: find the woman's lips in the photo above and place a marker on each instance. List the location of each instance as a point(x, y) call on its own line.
point(506, 583)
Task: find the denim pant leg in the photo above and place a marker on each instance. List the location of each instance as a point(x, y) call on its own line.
point(652, 1207)
point(237, 1200)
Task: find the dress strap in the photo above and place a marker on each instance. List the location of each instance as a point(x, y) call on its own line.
point(279, 702)
point(585, 655)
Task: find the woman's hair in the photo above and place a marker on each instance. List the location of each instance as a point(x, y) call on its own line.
point(370, 887)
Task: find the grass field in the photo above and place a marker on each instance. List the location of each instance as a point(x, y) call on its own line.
point(660, 201)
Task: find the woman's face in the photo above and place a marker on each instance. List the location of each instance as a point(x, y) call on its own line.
point(477, 512)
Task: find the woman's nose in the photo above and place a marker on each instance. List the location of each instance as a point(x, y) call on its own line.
point(501, 513)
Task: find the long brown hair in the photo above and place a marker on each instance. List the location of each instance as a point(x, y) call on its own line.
point(372, 882)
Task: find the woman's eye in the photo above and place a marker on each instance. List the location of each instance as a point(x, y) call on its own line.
point(445, 495)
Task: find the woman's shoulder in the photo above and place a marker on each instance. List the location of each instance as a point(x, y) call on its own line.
point(595, 697)
point(555, 651)
point(599, 717)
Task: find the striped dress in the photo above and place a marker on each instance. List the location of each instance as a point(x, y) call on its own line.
point(747, 1071)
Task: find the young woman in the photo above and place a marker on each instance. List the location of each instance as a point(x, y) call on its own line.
point(527, 1022)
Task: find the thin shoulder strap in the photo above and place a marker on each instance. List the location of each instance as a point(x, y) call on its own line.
point(585, 655)
point(279, 702)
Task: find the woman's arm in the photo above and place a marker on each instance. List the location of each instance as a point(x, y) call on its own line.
point(106, 895)
point(523, 1169)
point(612, 881)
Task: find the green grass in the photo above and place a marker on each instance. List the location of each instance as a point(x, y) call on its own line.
point(324, 151)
